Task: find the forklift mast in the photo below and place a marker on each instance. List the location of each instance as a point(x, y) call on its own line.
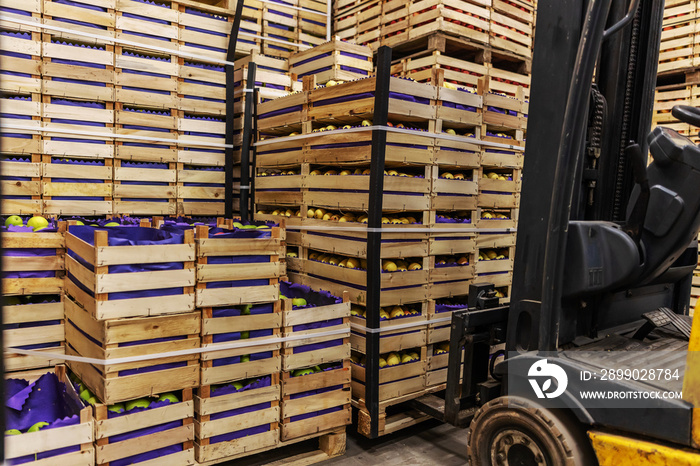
point(558, 297)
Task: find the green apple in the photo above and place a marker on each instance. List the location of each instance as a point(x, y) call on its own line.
point(237, 385)
point(12, 432)
point(139, 403)
point(237, 225)
point(245, 358)
point(116, 408)
point(300, 372)
point(245, 335)
point(282, 296)
point(15, 220)
point(248, 227)
point(318, 369)
point(92, 400)
point(112, 224)
point(85, 394)
point(37, 427)
point(37, 222)
point(299, 302)
point(246, 310)
point(78, 222)
point(170, 397)
point(94, 225)
point(263, 227)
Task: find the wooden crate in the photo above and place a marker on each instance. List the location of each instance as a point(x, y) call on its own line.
point(128, 337)
point(200, 188)
point(511, 30)
point(92, 247)
point(272, 78)
point(78, 437)
point(153, 24)
point(145, 188)
point(87, 19)
point(204, 30)
point(455, 17)
point(22, 48)
point(170, 430)
point(456, 71)
point(394, 381)
point(140, 74)
point(223, 421)
point(315, 403)
point(324, 316)
point(20, 182)
point(499, 187)
point(244, 256)
point(76, 186)
point(259, 358)
point(450, 193)
point(35, 325)
point(202, 87)
point(678, 37)
point(503, 113)
point(334, 60)
point(50, 249)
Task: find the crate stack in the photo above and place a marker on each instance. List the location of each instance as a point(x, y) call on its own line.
point(20, 96)
point(129, 292)
point(319, 179)
point(678, 80)
point(334, 61)
point(290, 26)
point(315, 381)
point(33, 269)
point(237, 404)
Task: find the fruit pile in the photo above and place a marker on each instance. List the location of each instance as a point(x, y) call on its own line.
point(36, 222)
point(391, 359)
point(340, 261)
point(296, 302)
point(315, 369)
point(441, 348)
point(451, 176)
point(387, 313)
point(497, 176)
point(146, 402)
point(451, 261)
point(493, 254)
point(491, 215)
point(337, 216)
point(239, 386)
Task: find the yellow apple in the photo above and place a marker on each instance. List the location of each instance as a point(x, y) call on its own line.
point(358, 171)
point(447, 176)
point(382, 362)
point(366, 171)
point(366, 123)
point(331, 128)
point(331, 173)
point(383, 315)
point(334, 260)
point(288, 213)
point(331, 83)
point(389, 266)
point(327, 216)
point(311, 213)
point(351, 263)
point(451, 131)
point(292, 254)
point(397, 311)
point(320, 213)
point(385, 220)
point(313, 255)
point(315, 172)
point(459, 176)
point(393, 359)
point(362, 219)
point(415, 266)
point(345, 172)
point(448, 85)
point(393, 173)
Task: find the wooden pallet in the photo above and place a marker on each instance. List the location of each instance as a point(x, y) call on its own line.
point(180, 432)
point(330, 445)
point(100, 256)
point(117, 338)
point(77, 436)
point(265, 402)
point(393, 422)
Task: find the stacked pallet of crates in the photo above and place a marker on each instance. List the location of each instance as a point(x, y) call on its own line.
point(78, 95)
point(290, 26)
point(20, 96)
point(129, 292)
point(320, 177)
point(33, 269)
point(237, 404)
point(204, 31)
point(272, 80)
point(146, 106)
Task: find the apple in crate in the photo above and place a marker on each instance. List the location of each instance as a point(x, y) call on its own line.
point(15, 220)
point(37, 222)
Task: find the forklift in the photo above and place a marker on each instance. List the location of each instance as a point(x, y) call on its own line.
point(605, 252)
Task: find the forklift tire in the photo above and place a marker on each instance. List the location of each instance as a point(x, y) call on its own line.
point(514, 431)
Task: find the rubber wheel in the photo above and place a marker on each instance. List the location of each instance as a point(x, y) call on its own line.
point(514, 431)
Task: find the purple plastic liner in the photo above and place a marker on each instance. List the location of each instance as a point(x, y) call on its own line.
point(205, 47)
point(204, 14)
point(79, 23)
point(160, 453)
point(15, 11)
point(283, 111)
point(146, 18)
point(41, 401)
point(227, 389)
point(80, 5)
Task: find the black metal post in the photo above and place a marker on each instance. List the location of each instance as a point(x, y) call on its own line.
point(230, 91)
point(246, 143)
point(374, 236)
point(254, 150)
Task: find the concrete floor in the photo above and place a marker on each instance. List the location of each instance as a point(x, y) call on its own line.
point(427, 444)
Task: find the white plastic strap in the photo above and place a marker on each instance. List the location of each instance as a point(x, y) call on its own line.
point(422, 323)
point(169, 354)
point(391, 129)
point(244, 187)
point(332, 228)
point(96, 135)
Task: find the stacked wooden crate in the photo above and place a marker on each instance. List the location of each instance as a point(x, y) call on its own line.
point(238, 294)
point(499, 24)
point(433, 171)
point(334, 60)
point(292, 25)
point(129, 292)
point(33, 269)
point(315, 380)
